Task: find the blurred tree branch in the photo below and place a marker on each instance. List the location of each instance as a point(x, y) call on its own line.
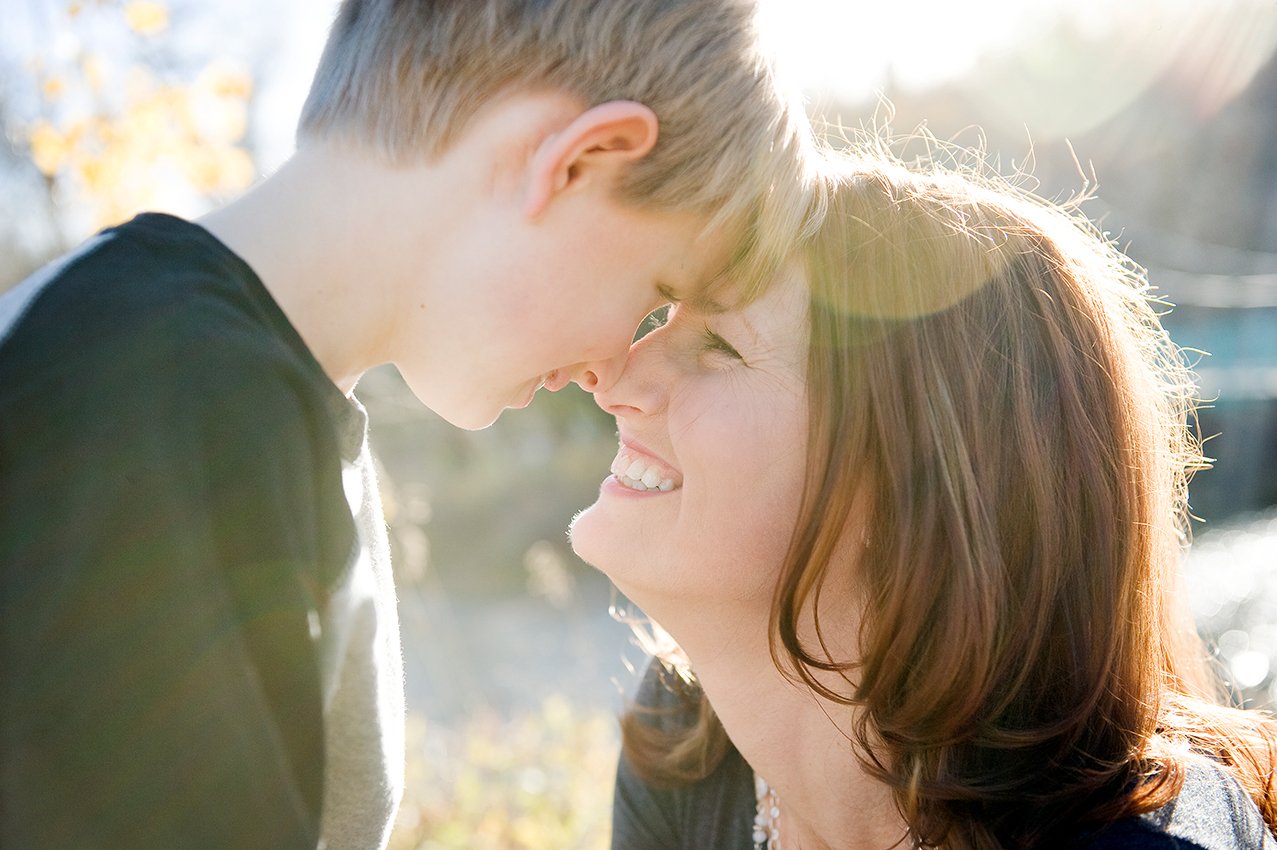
point(119, 121)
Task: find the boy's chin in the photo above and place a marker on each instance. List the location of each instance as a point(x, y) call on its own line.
point(466, 417)
point(470, 414)
point(473, 420)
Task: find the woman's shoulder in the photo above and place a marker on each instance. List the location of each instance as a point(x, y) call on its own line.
point(715, 812)
point(1211, 812)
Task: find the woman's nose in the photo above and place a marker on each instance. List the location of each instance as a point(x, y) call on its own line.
point(638, 387)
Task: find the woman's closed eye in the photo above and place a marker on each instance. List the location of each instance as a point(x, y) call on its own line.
point(711, 341)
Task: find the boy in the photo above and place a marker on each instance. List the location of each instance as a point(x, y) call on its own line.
point(199, 639)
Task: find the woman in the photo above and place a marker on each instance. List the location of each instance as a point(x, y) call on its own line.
point(914, 518)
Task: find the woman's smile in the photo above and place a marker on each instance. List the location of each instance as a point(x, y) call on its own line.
point(638, 470)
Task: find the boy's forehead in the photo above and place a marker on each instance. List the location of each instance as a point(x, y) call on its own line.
point(712, 297)
point(727, 285)
point(721, 268)
point(737, 266)
point(708, 285)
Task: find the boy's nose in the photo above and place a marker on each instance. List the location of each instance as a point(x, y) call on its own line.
point(642, 387)
point(598, 376)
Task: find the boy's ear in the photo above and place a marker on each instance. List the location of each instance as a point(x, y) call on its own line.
point(598, 143)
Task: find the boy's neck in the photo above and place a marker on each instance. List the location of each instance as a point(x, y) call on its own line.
point(340, 241)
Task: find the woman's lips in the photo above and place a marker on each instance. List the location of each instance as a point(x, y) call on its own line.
point(639, 470)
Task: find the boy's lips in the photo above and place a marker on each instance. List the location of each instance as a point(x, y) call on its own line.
point(552, 381)
point(556, 380)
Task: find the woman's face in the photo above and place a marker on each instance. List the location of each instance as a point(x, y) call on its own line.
point(712, 414)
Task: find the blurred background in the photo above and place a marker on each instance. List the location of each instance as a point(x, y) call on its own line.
point(1165, 110)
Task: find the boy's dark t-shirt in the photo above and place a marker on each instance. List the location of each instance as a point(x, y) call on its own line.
point(1212, 812)
point(198, 641)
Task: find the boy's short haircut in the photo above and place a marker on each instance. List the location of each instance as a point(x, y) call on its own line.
point(402, 78)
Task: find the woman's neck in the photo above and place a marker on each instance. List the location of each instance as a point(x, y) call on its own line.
point(798, 742)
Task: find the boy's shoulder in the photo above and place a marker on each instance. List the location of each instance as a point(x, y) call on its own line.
point(156, 326)
point(157, 294)
point(122, 277)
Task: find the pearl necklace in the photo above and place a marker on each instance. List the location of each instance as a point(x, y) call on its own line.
point(766, 816)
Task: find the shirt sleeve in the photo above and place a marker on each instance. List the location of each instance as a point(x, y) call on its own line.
point(161, 542)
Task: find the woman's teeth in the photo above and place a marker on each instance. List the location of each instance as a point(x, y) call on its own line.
point(640, 473)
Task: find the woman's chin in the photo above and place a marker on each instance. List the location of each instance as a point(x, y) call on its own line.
point(583, 538)
point(596, 540)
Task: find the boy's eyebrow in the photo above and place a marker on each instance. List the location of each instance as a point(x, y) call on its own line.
point(701, 301)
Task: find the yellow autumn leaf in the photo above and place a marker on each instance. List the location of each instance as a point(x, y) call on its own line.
point(146, 121)
point(97, 174)
point(235, 170)
point(217, 171)
point(49, 148)
point(202, 171)
point(95, 68)
point(146, 17)
point(224, 80)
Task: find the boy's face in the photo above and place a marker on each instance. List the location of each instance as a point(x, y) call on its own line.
point(551, 300)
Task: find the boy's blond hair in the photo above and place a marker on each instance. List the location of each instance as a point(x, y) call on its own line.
point(403, 78)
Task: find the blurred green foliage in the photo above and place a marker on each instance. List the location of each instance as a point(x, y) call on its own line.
point(541, 780)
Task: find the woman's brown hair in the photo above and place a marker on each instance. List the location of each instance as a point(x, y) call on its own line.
point(1000, 419)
